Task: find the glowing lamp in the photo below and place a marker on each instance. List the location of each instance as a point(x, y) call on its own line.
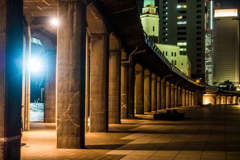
point(55, 21)
point(34, 65)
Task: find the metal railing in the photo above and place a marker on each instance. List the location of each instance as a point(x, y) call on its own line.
point(217, 89)
point(157, 51)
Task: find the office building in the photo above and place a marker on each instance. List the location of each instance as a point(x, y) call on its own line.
point(226, 46)
point(209, 41)
point(172, 53)
point(182, 23)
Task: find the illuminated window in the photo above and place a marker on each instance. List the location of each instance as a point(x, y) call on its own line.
point(179, 17)
point(183, 49)
point(181, 6)
point(182, 22)
point(36, 41)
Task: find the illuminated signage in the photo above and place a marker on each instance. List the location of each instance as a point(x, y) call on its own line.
point(226, 13)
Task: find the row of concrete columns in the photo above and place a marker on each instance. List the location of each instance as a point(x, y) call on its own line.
point(153, 93)
point(226, 99)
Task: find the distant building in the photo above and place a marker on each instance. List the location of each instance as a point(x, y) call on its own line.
point(226, 46)
point(209, 41)
point(182, 23)
point(150, 20)
point(150, 23)
point(172, 52)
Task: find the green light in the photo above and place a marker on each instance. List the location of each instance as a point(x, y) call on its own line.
point(149, 2)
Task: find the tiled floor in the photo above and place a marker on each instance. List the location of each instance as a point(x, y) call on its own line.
point(207, 133)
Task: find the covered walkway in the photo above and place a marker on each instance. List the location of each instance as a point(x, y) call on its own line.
point(206, 133)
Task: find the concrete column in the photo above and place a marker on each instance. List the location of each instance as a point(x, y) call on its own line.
point(234, 99)
point(26, 116)
point(158, 93)
point(172, 95)
point(139, 87)
point(71, 64)
point(87, 86)
point(11, 57)
point(218, 100)
point(225, 99)
point(50, 88)
point(200, 98)
point(168, 94)
point(124, 86)
point(24, 84)
point(153, 93)
point(163, 94)
point(179, 97)
point(196, 95)
point(193, 98)
point(176, 95)
point(183, 97)
point(114, 80)
point(130, 89)
point(99, 83)
point(221, 100)
point(190, 98)
point(147, 91)
point(187, 97)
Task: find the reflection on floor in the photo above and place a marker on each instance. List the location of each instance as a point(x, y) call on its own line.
point(36, 112)
point(211, 133)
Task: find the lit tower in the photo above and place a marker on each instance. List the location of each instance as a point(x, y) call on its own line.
point(209, 41)
point(150, 19)
point(226, 46)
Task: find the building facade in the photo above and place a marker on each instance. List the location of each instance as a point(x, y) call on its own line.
point(150, 20)
point(172, 53)
point(182, 23)
point(226, 46)
point(209, 41)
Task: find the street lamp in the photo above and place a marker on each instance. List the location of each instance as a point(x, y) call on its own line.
point(54, 21)
point(34, 65)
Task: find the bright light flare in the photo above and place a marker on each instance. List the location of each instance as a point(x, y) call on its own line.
point(54, 21)
point(206, 101)
point(34, 65)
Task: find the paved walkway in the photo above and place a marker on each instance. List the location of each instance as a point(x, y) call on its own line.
point(210, 133)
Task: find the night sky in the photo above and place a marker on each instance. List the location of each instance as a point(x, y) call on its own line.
point(229, 4)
